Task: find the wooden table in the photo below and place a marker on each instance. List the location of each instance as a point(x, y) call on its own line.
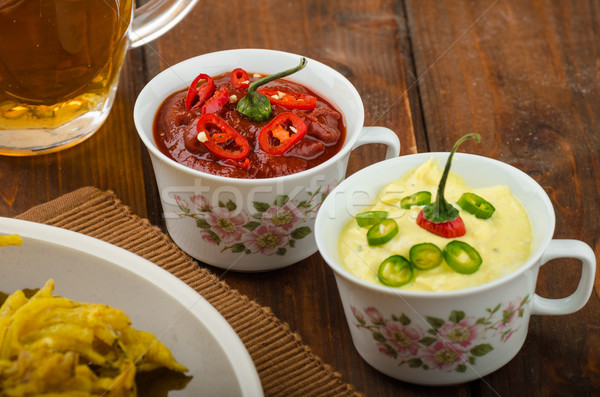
point(523, 74)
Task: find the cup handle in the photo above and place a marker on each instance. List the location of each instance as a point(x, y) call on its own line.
point(568, 249)
point(380, 135)
point(155, 18)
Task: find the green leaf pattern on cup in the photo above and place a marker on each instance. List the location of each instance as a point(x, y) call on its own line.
point(450, 344)
point(271, 229)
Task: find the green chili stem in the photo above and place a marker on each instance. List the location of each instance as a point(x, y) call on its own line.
point(254, 86)
point(256, 106)
point(442, 207)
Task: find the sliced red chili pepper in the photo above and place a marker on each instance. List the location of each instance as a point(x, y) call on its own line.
point(243, 164)
point(281, 133)
point(447, 229)
point(240, 79)
point(217, 101)
point(221, 138)
point(290, 100)
point(196, 96)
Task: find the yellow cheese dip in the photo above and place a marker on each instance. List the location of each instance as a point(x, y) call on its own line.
point(503, 241)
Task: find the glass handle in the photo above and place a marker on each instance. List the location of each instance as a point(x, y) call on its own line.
point(155, 18)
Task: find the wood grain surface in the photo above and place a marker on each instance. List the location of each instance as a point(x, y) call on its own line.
point(523, 74)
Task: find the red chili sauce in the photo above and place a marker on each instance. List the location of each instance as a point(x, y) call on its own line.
point(325, 135)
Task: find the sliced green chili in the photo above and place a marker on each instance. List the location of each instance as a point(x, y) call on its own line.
point(461, 257)
point(395, 271)
point(425, 256)
point(476, 205)
point(369, 218)
point(382, 232)
point(418, 198)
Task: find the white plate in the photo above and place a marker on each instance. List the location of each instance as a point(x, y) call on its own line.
point(90, 270)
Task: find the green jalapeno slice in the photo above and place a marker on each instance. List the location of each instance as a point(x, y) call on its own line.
point(382, 232)
point(461, 257)
point(476, 205)
point(425, 256)
point(369, 218)
point(418, 198)
point(395, 271)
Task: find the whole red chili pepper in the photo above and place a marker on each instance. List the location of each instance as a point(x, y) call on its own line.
point(448, 229)
point(281, 133)
point(240, 79)
point(440, 217)
point(220, 138)
point(289, 100)
point(196, 96)
point(217, 101)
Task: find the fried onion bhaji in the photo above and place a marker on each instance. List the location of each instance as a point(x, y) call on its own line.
point(50, 346)
point(10, 239)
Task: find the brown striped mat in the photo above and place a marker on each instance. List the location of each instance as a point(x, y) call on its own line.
point(285, 365)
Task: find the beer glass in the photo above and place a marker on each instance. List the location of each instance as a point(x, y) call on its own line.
point(60, 63)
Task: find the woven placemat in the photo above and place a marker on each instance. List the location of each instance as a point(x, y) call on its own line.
point(285, 365)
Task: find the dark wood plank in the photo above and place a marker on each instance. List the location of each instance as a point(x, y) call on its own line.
point(525, 76)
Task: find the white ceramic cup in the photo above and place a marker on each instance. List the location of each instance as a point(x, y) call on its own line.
point(441, 338)
point(251, 224)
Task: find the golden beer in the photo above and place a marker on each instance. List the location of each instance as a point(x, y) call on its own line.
point(59, 67)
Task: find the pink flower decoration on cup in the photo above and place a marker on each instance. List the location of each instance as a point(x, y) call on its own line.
point(201, 202)
point(209, 238)
point(266, 239)
point(181, 203)
point(374, 315)
point(451, 343)
point(444, 356)
point(506, 335)
point(463, 333)
point(226, 224)
point(386, 350)
point(509, 314)
point(358, 315)
point(272, 228)
point(284, 217)
point(403, 339)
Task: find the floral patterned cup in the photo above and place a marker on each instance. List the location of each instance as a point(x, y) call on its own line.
point(251, 224)
point(441, 338)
